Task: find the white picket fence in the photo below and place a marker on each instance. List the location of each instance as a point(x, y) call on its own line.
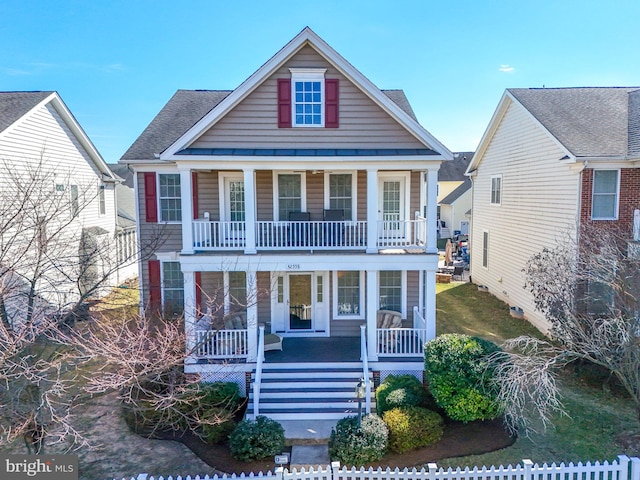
point(624, 468)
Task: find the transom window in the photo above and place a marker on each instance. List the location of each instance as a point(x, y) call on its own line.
point(496, 190)
point(308, 97)
point(172, 288)
point(604, 202)
point(170, 197)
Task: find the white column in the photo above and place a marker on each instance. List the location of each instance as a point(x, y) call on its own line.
point(252, 316)
point(372, 211)
point(249, 211)
point(432, 211)
point(187, 211)
point(372, 314)
point(430, 303)
point(190, 315)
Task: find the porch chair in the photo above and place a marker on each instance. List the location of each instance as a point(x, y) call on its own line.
point(457, 272)
point(333, 232)
point(299, 234)
point(388, 340)
point(227, 340)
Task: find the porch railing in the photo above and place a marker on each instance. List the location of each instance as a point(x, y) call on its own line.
point(221, 344)
point(311, 235)
point(257, 381)
point(364, 356)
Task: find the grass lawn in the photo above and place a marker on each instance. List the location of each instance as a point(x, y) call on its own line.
point(596, 416)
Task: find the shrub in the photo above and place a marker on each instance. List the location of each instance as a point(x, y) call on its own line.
point(217, 425)
point(221, 394)
point(357, 446)
point(251, 440)
point(412, 427)
point(399, 391)
point(459, 378)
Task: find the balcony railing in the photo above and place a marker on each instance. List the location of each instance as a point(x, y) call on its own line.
point(221, 344)
point(311, 235)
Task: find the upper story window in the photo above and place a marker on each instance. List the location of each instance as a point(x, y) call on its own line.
point(340, 193)
point(307, 99)
point(604, 201)
point(102, 202)
point(496, 189)
point(290, 194)
point(170, 197)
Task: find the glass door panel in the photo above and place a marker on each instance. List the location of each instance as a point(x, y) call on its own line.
point(300, 302)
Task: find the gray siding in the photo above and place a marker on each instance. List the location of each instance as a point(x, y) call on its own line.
point(208, 195)
point(264, 297)
point(253, 122)
point(264, 193)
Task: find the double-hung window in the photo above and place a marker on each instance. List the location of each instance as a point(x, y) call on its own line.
point(604, 200)
point(289, 187)
point(307, 87)
point(496, 189)
point(172, 288)
point(348, 294)
point(237, 292)
point(170, 197)
point(102, 202)
point(341, 193)
point(391, 290)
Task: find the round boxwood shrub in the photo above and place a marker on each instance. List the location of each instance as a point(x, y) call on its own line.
point(412, 427)
point(252, 440)
point(459, 378)
point(353, 445)
point(399, 391)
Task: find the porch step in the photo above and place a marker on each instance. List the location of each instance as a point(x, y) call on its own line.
point(309, 391)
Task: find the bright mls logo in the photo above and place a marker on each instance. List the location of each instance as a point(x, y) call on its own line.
point(24, 467)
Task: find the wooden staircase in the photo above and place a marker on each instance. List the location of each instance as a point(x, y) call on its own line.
point(309, 391)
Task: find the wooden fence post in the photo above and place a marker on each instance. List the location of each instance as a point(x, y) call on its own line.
point(635, 468)
point(623, 462)
point(433, 468)
point(528, 466)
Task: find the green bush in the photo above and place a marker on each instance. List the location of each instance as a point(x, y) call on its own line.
point(412, 427)
point(459, 377)
point(221, 394)
point(351, 445)
point(399, 391)
point(220, 426)
point(251, 440)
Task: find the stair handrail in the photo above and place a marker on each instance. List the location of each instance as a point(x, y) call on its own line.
point(365, 367)
point(258, 377)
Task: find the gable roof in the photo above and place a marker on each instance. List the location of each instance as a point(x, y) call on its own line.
point(453, 171)
point(457, 192)
point(15, 106)
point(186, 107)
point(401, 114)
point(586, 122)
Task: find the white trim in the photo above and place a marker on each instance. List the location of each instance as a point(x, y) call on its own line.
point(406, 186)
point(334, 293)
point(354, 191)
point(593, 187)
point(312, 75)
point(223, 199)
point(158, 204)
point(276, 193)
point(306, 37)
point(485, 246)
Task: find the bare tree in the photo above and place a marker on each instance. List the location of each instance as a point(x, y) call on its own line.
point(589, 290)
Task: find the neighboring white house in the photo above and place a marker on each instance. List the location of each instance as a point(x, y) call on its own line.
point(454, 195)
point(126, 237)
point(39, 134)
point(304, 200)
point(550, 160)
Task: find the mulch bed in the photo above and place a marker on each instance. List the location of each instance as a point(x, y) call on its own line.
point(459, 439)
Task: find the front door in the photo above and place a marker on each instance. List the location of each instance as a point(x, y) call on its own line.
point(300, 302)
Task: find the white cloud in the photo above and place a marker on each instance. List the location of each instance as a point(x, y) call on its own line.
point(507, 68)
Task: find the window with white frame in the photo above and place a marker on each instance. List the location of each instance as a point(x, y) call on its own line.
point(307, 87)
point(341, 193)
point(390, 286)
point(170, 197)
point(172, 288)
point(496, 189)
point(75, 200)
point(289, 194)
point(485, 249)
point(604, 200)
point(102, 202)
point(348, 294)
point(237, 292)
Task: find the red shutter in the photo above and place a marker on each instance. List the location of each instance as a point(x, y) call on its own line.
point(194, 194)
point(150, 197)
point(155, 288)
point(331, 103)
point(284, 103)
point(198, 276)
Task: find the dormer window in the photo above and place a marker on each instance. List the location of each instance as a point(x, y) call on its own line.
point(307, 99)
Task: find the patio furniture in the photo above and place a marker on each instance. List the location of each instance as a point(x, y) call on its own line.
point(272, 342)
point(386, 320)
point(333, 230)
point(299, 229)
point(457, 272)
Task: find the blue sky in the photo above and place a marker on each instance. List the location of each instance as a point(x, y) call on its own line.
point(116, 63)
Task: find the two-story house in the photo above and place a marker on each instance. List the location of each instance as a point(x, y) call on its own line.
point(58, 219)
point(296, 202)
point(550, 161)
